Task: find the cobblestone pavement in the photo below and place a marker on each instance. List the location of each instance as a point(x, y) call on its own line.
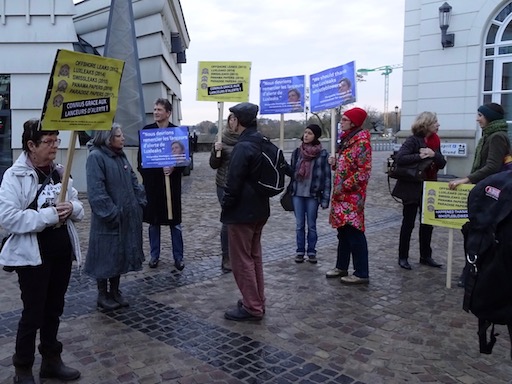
point(404, 327)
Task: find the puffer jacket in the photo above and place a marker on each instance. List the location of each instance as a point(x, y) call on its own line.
point(241, 203)
point(18, 190)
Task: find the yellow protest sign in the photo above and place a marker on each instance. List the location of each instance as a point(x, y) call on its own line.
point(223, 81)
point(444, 207)
point(82, 92)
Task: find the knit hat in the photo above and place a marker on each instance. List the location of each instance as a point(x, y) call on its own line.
point(317, 131)
point(492, 111)
point(356, 115)
point(245, 112)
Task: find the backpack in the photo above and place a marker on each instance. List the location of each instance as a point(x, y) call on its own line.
point(271, 176)
point(488, 248)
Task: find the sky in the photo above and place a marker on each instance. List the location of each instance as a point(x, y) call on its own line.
point(287, 38)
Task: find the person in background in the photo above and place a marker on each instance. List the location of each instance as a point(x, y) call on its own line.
point(221, 164)
point(245, 212)
point(491, 151)
point(153, 179)
point(116, 199)
point(422, 144)
point(311, 187)
point(352, 167)
point(41, 249)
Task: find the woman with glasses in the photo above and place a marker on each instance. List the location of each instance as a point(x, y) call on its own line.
point(43, 244)
point(351, 166)
point(116, 199)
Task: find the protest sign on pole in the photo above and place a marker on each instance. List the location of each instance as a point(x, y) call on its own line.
point(333, 87)
point(282, 95)
point(223, 81)
point(444, 207)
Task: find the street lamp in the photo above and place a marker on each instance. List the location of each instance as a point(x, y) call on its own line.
point(396, 118)
point(447, 39)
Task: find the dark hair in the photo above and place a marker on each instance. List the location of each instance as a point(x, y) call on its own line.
point(295, 90)
point(179, 143)
point(104, 138)
point(165, 103)
point(346, 80)
point(32, 132)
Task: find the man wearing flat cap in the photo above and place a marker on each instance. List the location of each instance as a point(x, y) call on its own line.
point(245, 212)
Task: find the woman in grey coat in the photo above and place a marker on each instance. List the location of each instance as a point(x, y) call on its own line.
point(116, 199)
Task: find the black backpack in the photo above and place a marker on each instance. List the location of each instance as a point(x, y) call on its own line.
point(272, 168)
point(488, 247)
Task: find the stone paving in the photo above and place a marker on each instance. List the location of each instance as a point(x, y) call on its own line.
point(404, 327)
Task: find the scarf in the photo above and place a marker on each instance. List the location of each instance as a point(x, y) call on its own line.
point(492, 127)
point(229, 138)
point(307, 153)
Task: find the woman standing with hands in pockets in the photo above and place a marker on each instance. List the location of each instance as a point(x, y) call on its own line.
point(352, 168)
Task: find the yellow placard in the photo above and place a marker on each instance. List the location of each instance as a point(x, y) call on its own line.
point(82, 92)
point(223, 81)
point(444, 207)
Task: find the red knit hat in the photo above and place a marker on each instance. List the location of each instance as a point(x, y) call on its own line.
point(356, 115)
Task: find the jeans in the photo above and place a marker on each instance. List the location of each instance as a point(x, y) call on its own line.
point(306, 208)
point(352, 241)
point(425, 233)
point(176, 239)
point(224, 242)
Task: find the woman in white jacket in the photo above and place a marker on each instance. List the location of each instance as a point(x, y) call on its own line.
point(41, 249)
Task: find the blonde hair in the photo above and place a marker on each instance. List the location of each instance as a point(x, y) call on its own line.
point(423, 122)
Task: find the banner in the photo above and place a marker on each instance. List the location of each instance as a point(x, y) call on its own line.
point(164, 147)
point(82, 92)
point(333, 87)
point(444, 207)
point(282, 95)
point(223, 81)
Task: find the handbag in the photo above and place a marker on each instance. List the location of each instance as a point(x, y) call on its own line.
point(409, 172)
point(287, 199)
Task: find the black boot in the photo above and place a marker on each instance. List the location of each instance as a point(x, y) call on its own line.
point(104, 300)
point(404, 263)
point(23, 375)
point(430, 262)
point(53, 368)
point(115, 293)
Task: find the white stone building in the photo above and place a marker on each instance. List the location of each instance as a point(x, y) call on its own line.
point(455, 81)
point(31, 32)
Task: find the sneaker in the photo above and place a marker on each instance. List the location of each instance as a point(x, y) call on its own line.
point(179, 265)
point(299, 258)
point(312, 259)
point(336, 273)
point(153, 263)
point(353, 279)
point(239, 313)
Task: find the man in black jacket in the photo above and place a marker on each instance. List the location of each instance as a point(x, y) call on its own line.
point(245, 212)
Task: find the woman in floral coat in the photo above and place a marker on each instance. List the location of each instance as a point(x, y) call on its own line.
point(351, 167)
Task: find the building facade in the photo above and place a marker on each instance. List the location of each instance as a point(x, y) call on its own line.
point(455, 81)
point(31, 32)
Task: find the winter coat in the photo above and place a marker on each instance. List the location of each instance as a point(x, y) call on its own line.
point(241, 202)
point(116, 199)
point(153, 179)
point(494, 150)
point(221, 164)
point(351, 174)
point(18, 189)
point(320, 176)
point(410, 192)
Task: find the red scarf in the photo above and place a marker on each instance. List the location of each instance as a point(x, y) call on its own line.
point(308, 152)
point(434, 143)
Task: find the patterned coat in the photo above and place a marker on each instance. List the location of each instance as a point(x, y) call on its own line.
point(351, 174)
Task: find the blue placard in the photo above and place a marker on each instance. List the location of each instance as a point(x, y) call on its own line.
point(333, 87)
point(282, 95)
point(164, 147)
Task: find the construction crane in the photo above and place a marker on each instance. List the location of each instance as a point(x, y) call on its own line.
point(386, 71)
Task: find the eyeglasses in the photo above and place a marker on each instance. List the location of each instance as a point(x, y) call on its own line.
point(51, 143)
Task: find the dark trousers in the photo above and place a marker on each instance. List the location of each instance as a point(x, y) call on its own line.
point(425, 233)
point(42, 291)
point(352, 241)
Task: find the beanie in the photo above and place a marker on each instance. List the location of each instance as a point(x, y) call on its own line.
point(245, 113)
point(492, 111)
point(356, 115)
point(317, 131)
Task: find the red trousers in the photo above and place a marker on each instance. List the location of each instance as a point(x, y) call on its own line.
point(247, 264)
